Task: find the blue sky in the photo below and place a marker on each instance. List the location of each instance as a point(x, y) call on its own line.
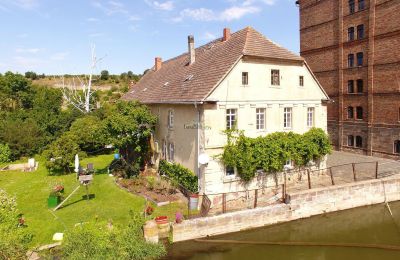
point(54, 36)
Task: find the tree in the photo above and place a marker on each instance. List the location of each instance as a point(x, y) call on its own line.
point(61, 153)
point(104, 75)
point(31, 75)
point(90, 133)
point(14, 238)
point(5, 153)
point(15, 92)
point(81, 97)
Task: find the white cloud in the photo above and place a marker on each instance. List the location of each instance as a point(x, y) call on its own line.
point(27, 63)
point(134, 18)
point(94, 35)
point(111, 7)
point(209, 36)
point(165, 6)
point(92, 19)
point(59, 56)
point(204, 14)
point(28, 50)
point(26, 4)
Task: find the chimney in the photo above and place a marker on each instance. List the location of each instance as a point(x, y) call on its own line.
point(158, 63)
point(227, 34)
point(192, 53)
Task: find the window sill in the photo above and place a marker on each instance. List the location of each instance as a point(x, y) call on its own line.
point(228, 179)
point(245, 86)
point(278, 87)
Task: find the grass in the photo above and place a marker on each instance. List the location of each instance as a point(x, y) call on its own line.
point(110, 203)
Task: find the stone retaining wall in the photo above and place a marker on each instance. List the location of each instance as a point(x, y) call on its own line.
point(299, 205)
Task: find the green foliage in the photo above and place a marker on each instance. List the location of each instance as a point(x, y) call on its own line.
point(14, 239)
point(104, 75)
point(15, 92)
point(90, 133)
point(94, 241)
point(270, 152)
point(61, 153)
point(31, 75)
point(182, 175)
point(5, 153)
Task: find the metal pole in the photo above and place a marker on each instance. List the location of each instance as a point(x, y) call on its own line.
point(354, 171)
point(376, 171)
point(333, 182)
point(255, 198)
point(309, 178)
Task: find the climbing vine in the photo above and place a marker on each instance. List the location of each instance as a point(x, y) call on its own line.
point(270, 153)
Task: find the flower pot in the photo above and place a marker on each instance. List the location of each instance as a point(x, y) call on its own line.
point(161, 220)
point(53, 201)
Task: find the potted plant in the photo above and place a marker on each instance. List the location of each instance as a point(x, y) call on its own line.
point(149, 210)
point(55, 196)
point(161, 220)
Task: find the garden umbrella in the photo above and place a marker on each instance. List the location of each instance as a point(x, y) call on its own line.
point(76, 163)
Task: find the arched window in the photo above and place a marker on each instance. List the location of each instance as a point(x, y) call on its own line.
point(359, 112)
point(350, 140)
point(350, 112)
point(359, 141)
point(396, 146)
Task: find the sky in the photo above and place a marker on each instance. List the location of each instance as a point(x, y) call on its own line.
point(55, 36)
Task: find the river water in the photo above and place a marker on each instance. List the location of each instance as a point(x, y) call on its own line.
point(366, 225)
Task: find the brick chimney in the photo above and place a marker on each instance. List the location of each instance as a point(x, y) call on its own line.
point(192, 52)
point(227, 34)
point(158, 63)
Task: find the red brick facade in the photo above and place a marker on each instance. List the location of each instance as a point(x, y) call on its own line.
point(326, 43)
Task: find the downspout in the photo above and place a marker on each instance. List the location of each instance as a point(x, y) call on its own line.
point(198, 145)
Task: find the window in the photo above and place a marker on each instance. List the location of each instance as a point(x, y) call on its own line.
point(350, 34)
point(164, 150)
point(350, 86)
point(350, 140)
point(360, 58)
point(275, 78)
point(287, 117)
point(358, 141)
point(301, 81)
point(350, 112)
point(260, 118)
point(352, 6)
point(359, 113)
point(350, 60)
point(229, 171)
point(171, 153)
point(360, 32)
point(231, 119)
point(396, 146)
point(170, 118)
point(245, 78)
point(310, 117)
point(288, 165)
point(361, 5)
point(360, 85)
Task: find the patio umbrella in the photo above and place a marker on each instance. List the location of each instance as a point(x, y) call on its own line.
point(76, 163)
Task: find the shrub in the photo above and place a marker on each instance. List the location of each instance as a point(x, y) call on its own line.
point(182, 175)
point(14, 238)
point(5, 153)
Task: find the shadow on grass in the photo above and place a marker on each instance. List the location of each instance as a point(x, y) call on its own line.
point(84, 198)
point(102, 171)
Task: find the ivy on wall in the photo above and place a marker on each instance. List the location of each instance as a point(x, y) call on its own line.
point(271, 152)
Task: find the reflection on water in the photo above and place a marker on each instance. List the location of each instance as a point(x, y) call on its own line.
point(367, 225)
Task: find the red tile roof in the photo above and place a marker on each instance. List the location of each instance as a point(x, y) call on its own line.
point(178, 82)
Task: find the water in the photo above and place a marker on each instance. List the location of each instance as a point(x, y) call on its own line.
point(367, 225)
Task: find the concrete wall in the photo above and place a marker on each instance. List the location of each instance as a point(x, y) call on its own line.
point(300, 205)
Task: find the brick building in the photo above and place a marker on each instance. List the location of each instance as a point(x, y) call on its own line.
point(353, 47)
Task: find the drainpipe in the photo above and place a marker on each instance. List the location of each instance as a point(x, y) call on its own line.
point(198, 145)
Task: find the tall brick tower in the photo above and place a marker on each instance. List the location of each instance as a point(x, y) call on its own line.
point(353, 47)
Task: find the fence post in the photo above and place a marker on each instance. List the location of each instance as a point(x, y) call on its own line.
point(255, 198)
point(354, 171)
point(284, 187)
point(283, 193)
point(376, 171)
point(223, 203)
point(333, 182)
point(309, 179)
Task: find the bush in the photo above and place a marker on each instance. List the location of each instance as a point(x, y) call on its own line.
point(14, 238)
point(5, 153)
point(182, 175)
point(270, 152)
point(94, 241)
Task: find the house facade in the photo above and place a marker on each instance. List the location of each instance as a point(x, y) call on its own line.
point(358, 42)
point(242, 81)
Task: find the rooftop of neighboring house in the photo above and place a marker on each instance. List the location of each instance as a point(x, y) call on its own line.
point(192, 76)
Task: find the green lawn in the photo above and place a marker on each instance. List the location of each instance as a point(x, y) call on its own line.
point(110, 202)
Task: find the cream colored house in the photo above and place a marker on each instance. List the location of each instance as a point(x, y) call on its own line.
point(243, 80)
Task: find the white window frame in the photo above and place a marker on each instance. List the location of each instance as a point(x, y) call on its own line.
point(164, 150)
point(287, 117)
point(275, 79)
point(231, 118)
point(171, 152)
point(310, 117)
point(170, 118)
point(232, 175)
point(288, 165)
point(260, 118)
point(301, 81)
point(245, 78)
